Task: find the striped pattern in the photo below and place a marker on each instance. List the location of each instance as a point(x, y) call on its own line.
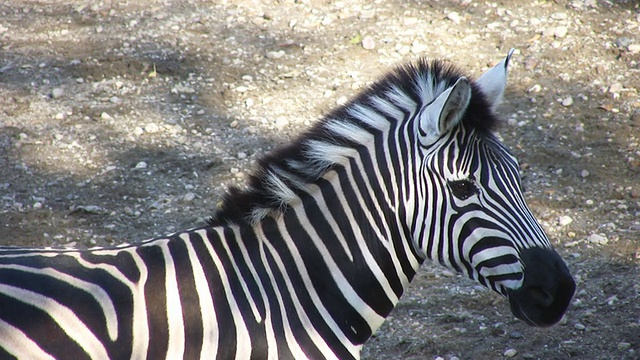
point(311, 257)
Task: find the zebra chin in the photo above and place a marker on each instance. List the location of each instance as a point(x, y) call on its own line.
point(547, 289)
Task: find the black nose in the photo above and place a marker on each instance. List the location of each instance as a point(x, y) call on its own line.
point(546, 291)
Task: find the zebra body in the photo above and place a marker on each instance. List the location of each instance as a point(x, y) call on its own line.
point(308, 260)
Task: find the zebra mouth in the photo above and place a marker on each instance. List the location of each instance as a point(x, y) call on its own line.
point(547, 290)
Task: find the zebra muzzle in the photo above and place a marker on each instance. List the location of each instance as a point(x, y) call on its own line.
point(547, 289)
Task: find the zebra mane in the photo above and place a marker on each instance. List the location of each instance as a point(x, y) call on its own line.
point(282, 174)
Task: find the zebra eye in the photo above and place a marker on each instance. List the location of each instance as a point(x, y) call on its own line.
point(463, 189)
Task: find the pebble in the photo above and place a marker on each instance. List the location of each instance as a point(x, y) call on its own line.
point(510, 353)
point(188, 197)
point(585, 173)
point(535, 88)
point(579, 327)
point(634, 48)
point(233, 124)
point(57, 93)
point(560, 31)
point(565, 220)
point(368, 43)
point(623, 41)
point(567, 101)
point(114, 100)
point(141, 165)
point(242, 155)
point(275, 54)
point(151, 128)
point(624, 346)
point(615, 88)
point(342, 100)
point(559, 16)
point(454, 16)
point(516, 335)
point(281, 122)
point(598, 239)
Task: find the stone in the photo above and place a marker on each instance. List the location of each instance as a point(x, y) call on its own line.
point(598, 239)
point(57, 93)
point(510, 353)
point(634, 48)
point(560, 31)
point(368, 43)
point(455, 17)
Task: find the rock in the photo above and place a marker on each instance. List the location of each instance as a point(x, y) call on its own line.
point(565, 220)
point(535, 88)
point(281, 122)
point(623, 42)
point(516, 335)
point(57, 93)
point(559, 16)
point(579, 327)
point(567, 101)
point(615, 88)
point(585, 173)
point(597, 239)
point(510, 353)
point(634, 48)
point(275, 54)
point(560, 31)
point(624, 346)
point(242, 155)
point(151, 128)
point(454, 16)
point(368, 43)
point(188, 197)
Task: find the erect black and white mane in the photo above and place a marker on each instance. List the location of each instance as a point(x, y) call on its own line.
point(281, 175)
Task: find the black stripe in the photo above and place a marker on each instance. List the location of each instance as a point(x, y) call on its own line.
point(156, 298)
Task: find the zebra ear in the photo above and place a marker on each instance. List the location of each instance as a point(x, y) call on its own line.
point(447, 109)
point(493, 82)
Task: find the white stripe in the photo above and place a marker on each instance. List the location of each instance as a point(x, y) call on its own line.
point(292, 342)
point(371, 117)
point(243, 346)
point(63, 316)
point(16, 343)
point(210, 332)
point(175, 349)
point(245, 261)
point(374, 320)
point(140, 322)
point(272, 344)
point(401, 99)
point(308, 326)
point(362, 244)
point(95, 291)
point(349, 131)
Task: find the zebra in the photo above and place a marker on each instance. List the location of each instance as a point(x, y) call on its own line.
point(308, 259)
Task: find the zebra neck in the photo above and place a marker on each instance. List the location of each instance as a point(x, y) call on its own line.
point(342, 256)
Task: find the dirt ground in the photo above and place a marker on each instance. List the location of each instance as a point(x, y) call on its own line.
point(123, 120)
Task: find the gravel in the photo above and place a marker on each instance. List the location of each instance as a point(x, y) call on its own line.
point(197, 91)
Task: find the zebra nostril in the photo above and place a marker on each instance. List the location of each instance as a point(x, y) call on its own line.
point(540, 296)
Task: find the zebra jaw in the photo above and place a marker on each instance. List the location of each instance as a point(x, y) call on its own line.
point(546, 291)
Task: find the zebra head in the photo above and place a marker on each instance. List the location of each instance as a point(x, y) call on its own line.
point(477, 221)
